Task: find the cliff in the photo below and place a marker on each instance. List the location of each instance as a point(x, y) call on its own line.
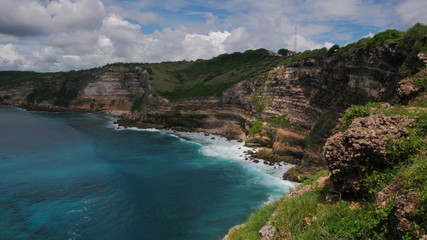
point(376, 183)
point(288, 110)
point(110, 89)
point(295, 105)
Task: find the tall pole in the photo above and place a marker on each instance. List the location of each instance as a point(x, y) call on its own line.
point(295, 43)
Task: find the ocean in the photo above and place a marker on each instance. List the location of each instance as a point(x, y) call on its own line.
point(79, 176)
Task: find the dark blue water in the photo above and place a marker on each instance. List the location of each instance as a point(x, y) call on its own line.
point(71, 176)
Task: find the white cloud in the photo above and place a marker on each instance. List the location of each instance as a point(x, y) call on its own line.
point(195, 46)
point(10, 59)
point(7, 38)
point(304, 43)
point(142, 17)
point(47, 54)
point(412, 11)
point(70, 15)
point(35, 18)
point(76, 34)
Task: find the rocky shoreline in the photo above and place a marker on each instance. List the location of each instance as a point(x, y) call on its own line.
point(288, 112)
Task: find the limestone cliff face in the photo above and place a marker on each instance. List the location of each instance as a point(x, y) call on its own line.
point(110, 89)
point(308, 93)
point(307, 88)
point(298, 103)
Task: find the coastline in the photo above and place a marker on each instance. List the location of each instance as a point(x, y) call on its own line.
point(247, 155)
point(236, 150)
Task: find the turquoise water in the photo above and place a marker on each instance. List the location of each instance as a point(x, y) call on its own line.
point(76, 176)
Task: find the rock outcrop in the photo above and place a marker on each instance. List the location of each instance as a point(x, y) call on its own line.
point(307, 93)
point(361, 149)
point(109, 89)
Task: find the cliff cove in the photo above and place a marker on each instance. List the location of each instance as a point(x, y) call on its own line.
point(349, 118)
point(74, 175)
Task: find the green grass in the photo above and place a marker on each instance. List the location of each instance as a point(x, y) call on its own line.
point(356, 111)
point(280, 120)
point(180, 80)
point(254, 223)
point(198, 90)
point(310, 216)
point(413, 41)
point(16, 77)
point(421, 82)
point(256, 128)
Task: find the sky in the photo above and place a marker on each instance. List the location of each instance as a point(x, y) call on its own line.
point(62, 35)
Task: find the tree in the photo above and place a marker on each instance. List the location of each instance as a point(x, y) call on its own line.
point(333, 49)
point(283, 51)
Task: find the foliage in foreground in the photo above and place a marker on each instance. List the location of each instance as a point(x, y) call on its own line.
point(255, 222)
point(310, 216)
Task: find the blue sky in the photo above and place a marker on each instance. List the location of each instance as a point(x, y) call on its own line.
point(60, 35)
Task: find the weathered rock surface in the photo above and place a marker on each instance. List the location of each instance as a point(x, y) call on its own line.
point(405, 204)
point(305, 92)
point(109, 89)
point(361, 149)
point(268, 231)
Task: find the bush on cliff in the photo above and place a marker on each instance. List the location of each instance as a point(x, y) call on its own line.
point(356, 111)
point(395, 206)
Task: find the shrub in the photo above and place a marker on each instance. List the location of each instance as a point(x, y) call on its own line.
point(259, 102)
point(280, 120)
point(333, 49)
point(420, 82)
point(356, 111)
point(256, 128)
point(137, 104)
point(283, 51)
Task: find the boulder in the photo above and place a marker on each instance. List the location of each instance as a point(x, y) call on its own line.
point(360, 150)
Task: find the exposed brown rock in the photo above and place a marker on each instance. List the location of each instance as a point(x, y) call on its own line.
point(361, 149)
point(268, 231)
point(302, 91)
point(388, 193)
point(406, 89)
point(405, 204)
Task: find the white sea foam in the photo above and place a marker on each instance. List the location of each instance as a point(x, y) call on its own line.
point(231, 150)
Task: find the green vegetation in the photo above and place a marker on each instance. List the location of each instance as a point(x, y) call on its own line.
point(198, 90)
point(314, 177)
point(81, 102)
point(256, 128)
point(421, 82)
point(62, 97)
point(137, 104)
point(283, 51)
point(306, 54)
point(257, 220)
point(280, 120)
point(310, 216)
point(413, 41)
point(16, 77)
point(179, 80)
point(319, 130)
point(356, 111)
point(260, 103)
point(173, 80)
